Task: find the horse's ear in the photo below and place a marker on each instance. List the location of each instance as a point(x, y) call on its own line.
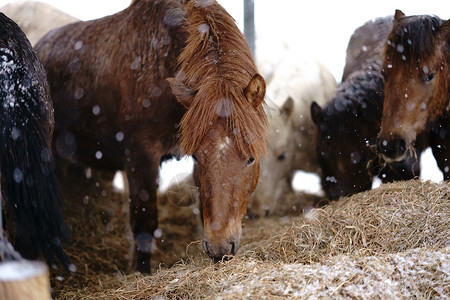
point(398, 14)
point(444, 32)
point(182, 92)
point(256, 90)
point(316, 112)
point(288, 107)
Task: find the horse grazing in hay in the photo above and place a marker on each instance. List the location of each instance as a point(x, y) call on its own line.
point(417, 82)
point(114, 108)
point(347, 127)
point(295, 84)
point(29, 183)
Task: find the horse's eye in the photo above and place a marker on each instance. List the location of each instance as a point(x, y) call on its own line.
point(428, 77)
point(282, 156)
point(195, 158)
point(250, 161)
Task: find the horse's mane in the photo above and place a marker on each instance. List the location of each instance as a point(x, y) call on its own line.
point(359, 97)
point(217, 65)
point(412, 38)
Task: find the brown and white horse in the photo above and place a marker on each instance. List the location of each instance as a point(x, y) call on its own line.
point(417, 82)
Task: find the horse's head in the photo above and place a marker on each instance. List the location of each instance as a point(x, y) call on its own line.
point(224, 127)
point(276, 164)
point(415, 71)
point(226, 140)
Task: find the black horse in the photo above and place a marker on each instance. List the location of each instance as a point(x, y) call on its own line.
point(28, 182)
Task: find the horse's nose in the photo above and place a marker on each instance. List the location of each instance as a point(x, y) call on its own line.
point(218, 251)
point(393, 149)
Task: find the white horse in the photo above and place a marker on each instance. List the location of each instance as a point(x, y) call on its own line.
point(36, 18)
point(293, 85)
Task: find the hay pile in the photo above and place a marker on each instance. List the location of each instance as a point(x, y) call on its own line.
point(392, 242)
point(97, 216)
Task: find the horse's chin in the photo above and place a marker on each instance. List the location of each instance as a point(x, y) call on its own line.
point(391, 160)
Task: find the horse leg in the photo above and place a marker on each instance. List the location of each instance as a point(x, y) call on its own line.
point(142, 168)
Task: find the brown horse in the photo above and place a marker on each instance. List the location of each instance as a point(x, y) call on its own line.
point(417, 83)
point(114, 108)
point(347, 127)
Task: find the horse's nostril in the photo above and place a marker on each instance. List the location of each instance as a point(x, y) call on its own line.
point(205, 247)
point(400, 145)
point(233, 248)
point(382, 145)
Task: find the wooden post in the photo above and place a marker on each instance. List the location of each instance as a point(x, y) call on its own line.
point(249, 24)
point(23, 279)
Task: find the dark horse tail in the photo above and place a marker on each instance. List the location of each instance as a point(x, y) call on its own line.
point(29, 185)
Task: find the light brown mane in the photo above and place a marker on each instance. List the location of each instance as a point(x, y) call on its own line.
point(217, 65)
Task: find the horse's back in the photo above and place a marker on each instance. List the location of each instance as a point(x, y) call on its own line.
point(102, 86)
point(29, 16)
point(367, 44)
point(95, 49)
point(304, 80)
point(15, 40)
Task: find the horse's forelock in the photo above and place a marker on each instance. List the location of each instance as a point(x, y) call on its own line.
point(217, 64)
point(245, 123)
point(412, 38)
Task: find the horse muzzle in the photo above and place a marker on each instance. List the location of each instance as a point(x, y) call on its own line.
point(392, 149)
point(223, 249)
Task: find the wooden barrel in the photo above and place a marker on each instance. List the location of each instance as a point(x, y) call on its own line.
point(24, 279)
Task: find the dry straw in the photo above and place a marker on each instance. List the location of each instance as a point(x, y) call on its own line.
point(391, 242)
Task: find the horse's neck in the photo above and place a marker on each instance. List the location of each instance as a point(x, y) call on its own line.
point(448, 80)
